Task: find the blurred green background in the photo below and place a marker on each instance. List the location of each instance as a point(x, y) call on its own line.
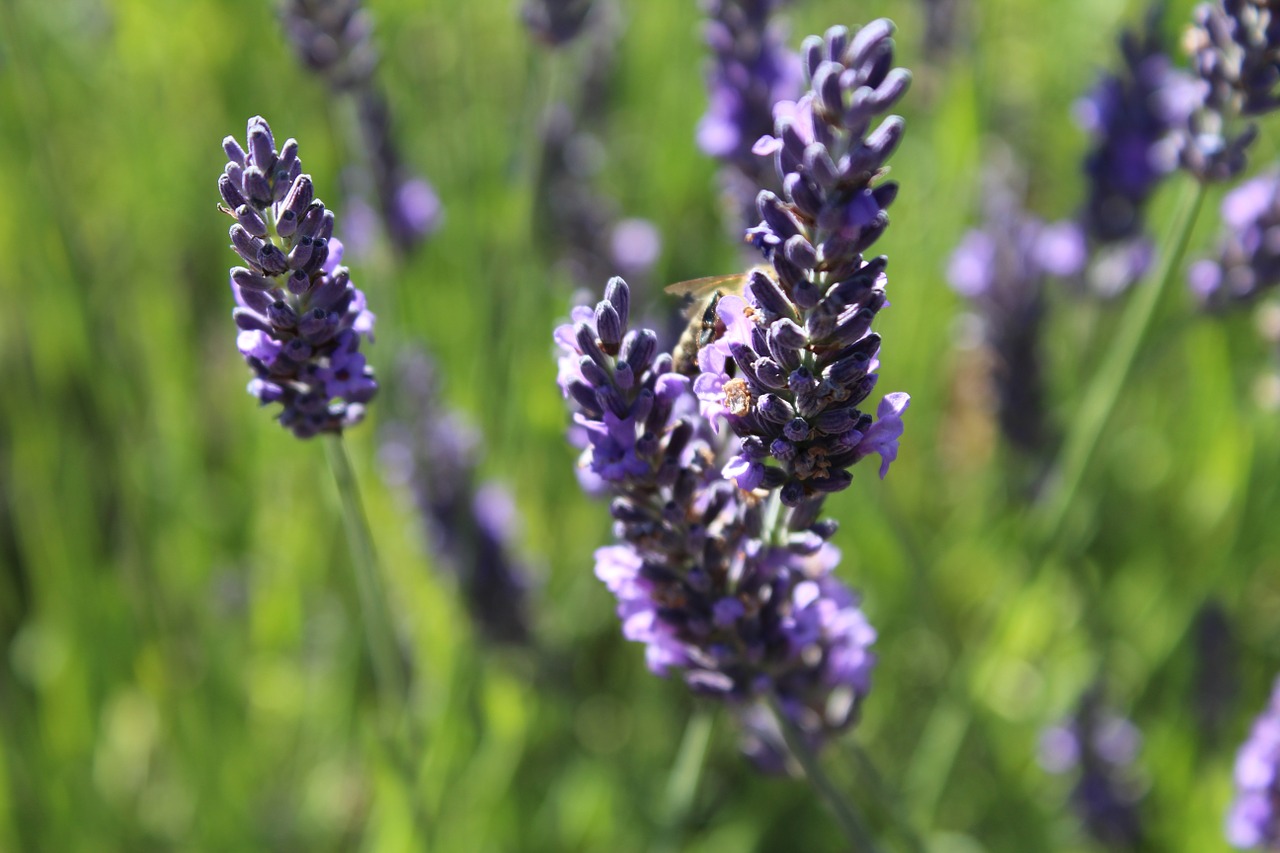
point(180, 645)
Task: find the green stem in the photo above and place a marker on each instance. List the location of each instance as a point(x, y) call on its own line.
point(843, 810)
point(1104, 392)
point(683, 783)
point(888, 799)
point(373, 606)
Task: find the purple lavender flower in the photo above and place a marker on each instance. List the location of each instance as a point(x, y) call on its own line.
point(751, 70)
point(1235, 51)
point(301, 319)
point(1248, 261)
point(1129, 115)
point(1000, 269)
point(1254, 821)
point(334, 38)
point(741, 610)
point(798, 356)
point(470, 524)
point(1102, 747)
point(555, 22)
point(409, 207)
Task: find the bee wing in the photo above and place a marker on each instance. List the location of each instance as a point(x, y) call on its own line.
point(705, 286)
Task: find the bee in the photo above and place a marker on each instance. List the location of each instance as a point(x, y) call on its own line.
point(705, 326)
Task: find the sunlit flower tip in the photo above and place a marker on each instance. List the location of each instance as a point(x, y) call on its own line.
point(301, 321)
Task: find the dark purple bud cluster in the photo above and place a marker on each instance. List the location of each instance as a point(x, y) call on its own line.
point(1254, 819)
point(555, 22)
point(301, 319)
point(706, 575)
point(1101, 747)
point(1235, 51)
point(798, 357)
point(1001, 269)
point(751, 70)
point(1129, 115)
point(470, 524)
point(334, 38)
point(1248, 262)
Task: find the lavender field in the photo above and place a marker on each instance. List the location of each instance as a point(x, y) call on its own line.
point(941, 519)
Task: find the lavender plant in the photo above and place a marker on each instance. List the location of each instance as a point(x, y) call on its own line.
point(1129, 116)
point(723, 567)
point(1235, 52)
point(1248, 259)
point(1254, 822)
point(555, 22)
point(1001, 270)
point(470, 524)
point(1101, 747)
point(751, 70)
point(301, 319)
point(334, 39)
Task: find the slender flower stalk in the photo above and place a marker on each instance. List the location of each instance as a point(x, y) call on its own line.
point(388, 664)
point(301, 319)
point(1105, 388)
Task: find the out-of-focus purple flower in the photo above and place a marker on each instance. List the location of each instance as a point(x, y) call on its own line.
point(751, 70)
point(1216, 684)
point(1235, 51)
point(1001, 269)
point(798, 355)
point(1254, 819)
point(301, 319)
point(470, 524)
point(408, 204)
point(555, 22)
point(1248, 261)
point(1101, 747)
point(1129, 116)
point(334, 38)
point(635, 246)
point(943, 25)
point(743, 612)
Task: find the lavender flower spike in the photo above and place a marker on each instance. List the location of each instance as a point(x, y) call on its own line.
point(1235, 50)
point(301, 319)
point(1101, 746)
point(1254, 820)
point(1248, 262)
point(798, 355)
point(1128, 116)
point(742, 615)
point(470, 523)
point(751, 70)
